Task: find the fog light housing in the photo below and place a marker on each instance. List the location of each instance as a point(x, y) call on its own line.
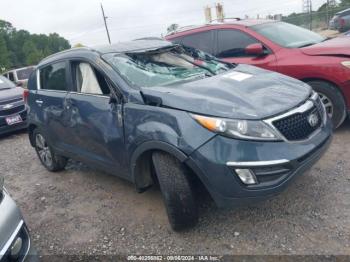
point(246, 176)
point(16, 248)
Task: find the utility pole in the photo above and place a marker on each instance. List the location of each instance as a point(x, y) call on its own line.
point(105, 21)
point(307, 8)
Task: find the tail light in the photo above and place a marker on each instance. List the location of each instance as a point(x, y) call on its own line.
point(342, 22)
point(25, 95)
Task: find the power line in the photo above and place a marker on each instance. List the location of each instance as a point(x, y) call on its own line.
point(105, 21)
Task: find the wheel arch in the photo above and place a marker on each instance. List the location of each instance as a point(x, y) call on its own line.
point(309, 79)
point(141, 164)
point(31, 128)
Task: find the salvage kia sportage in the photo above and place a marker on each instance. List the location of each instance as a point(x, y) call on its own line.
point(154, 113)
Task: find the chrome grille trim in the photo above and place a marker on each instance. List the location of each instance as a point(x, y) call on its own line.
point(310, 103)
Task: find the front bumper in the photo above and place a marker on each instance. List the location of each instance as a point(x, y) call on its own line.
point(4, 128)
point(13, 227)
point(274, 164)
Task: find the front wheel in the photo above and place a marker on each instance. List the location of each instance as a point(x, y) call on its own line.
point(332, 99)
point(176, 190)
point(46, 154)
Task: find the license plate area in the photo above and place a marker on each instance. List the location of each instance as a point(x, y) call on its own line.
point(11, 120)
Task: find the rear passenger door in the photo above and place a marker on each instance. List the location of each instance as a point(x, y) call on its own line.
point(95, 120)
point(49, 103)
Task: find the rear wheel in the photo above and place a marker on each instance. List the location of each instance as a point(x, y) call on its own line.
point(46, 154)
point(332, 99)
point(176, 190)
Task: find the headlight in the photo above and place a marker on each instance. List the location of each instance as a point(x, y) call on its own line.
point(243, 129)
point(346, 64)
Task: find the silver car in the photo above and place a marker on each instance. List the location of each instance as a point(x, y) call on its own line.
point(15, 244)
point(341, 21)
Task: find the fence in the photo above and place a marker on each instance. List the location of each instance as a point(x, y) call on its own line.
point(314, 20)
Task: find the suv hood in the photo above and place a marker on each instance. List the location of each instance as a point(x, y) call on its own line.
point(246, 92)
point(339, 46)
point(10, 93)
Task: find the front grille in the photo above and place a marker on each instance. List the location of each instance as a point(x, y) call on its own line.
point(11, 111)
point(297, 126)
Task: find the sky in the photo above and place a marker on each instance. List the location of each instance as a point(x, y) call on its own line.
point(80, 21)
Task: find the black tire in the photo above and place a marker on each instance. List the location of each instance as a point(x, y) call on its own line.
point(176, 190)
point(331, 93)
point(56, 163)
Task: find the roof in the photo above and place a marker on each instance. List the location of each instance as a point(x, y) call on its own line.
point(227, 21)
point(132, 46)
point(122, 47)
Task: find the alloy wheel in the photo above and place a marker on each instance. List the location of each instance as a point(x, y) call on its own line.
point(43, 150)
point(327, 104)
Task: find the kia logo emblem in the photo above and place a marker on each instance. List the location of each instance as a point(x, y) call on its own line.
point(313, 120)
point(8, 106)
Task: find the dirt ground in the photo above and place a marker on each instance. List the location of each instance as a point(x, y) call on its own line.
point(84, 211)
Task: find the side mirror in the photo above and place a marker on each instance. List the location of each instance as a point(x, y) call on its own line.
point(112, 99)
point(255, 49)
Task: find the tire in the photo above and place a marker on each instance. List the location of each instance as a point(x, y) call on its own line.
point(330, 95)
point(50, 160)
point(176, 189)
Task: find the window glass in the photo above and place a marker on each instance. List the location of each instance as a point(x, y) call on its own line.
point(202, 41)
point(232, 43)
point(23, 74)
point(288, 35)
point(89, 80)
point(166, 66)
point(53, 77)
point(11, 76)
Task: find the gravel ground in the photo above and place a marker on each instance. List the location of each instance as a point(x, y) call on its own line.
point(83, 211)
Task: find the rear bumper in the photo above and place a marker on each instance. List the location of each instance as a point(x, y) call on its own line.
point(274, 164)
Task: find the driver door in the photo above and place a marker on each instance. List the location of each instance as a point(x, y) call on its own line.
point(95, 120)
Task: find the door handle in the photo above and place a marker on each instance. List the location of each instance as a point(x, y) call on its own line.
point(39, 102)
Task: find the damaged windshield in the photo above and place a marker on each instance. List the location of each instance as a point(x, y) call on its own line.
point(166, 66)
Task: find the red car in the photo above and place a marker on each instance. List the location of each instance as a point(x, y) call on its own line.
point(288, 49)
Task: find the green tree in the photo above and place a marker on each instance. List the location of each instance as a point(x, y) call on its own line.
point(4, 55)
point(20, 48)
point(31, 53)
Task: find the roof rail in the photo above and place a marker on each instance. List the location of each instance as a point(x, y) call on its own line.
point(226, 18)
point(66, 51)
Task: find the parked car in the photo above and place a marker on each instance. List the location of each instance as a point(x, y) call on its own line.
point(142, 106)
point(20, 75)
point(13, 113)
point(285, 48)
point(15, 244)
point(341, 21)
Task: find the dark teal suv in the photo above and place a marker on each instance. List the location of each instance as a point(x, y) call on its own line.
point(154, 112)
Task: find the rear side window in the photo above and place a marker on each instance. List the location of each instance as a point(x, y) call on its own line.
point(202, 41)
point(53, 77)
point(23, 74)
point(11, 76)
point(232, 43)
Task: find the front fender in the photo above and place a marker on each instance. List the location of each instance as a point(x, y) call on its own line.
point(149, 128)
